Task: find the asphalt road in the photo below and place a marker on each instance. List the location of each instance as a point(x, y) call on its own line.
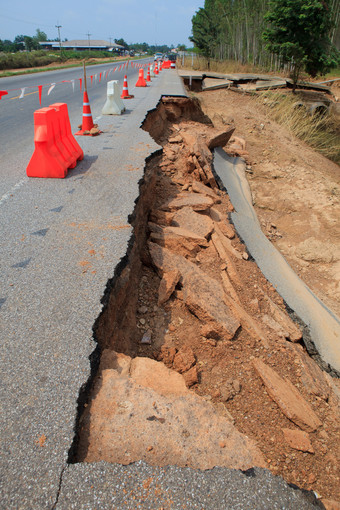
point(16, 115)
point(61, 243)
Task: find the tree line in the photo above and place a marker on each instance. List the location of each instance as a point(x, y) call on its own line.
point(29, 43)
point(301, 34)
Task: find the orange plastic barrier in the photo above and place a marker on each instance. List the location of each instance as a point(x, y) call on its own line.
point(54, 150)
point(141, 81)
point(67, 137)
point(166, 64)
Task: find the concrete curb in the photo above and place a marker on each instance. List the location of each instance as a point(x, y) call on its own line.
point(324, 325)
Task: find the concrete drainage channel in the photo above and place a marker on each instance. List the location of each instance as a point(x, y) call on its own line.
point(200, 365)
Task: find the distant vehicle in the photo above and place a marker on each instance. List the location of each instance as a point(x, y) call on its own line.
point(158, 56)
point(172, 57)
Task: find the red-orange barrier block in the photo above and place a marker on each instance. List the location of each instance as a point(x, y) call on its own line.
point(46, 160)
point(67, 138)
point(55, 150)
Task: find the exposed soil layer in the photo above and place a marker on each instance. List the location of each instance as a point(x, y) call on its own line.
point(296, 191)
point(189, 298)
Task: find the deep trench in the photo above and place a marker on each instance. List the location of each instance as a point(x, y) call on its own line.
point(116, 327)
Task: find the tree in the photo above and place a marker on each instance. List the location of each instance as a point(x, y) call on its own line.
point(299, 32)
point(205, 30)
point(181, 47)
point(40, 36)
point(30, 43)
point(19, 42)
point(121, 42)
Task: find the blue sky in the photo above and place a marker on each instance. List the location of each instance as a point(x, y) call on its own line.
point(151, 21)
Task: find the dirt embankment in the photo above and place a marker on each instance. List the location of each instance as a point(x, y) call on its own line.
point(201, 364)
point(296, 191)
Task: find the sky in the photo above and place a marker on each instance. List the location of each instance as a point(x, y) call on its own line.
point(150, 21)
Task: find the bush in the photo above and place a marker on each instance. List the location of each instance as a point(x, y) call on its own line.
point(40, 58)
point(32, 59)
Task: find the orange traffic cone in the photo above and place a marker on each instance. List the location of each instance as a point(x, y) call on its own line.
point(156, 69)
point(125, 93)
point(141, 81)
point(87, 123)
point(148, 77)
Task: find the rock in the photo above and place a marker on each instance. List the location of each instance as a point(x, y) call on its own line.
point(186, 233)
point(298, 440)
point(210, 331)
point(238, 142)
point(227, 229)
point(156, 376)
point(198, 223)
point(219, 139)
point(275, 326)
point(184, 359)
point(331, 504)
point(245, 255)
point(215, 214)
point(178, 239)
point(167, 286)
point(146, 339)
point(229, 390)
point(167, 355)
point(289, 328)
point(312, 376)
point(161, 217)
point(94, 131)
point(288, 398)
point(142, 321)
point(197, 201)
point(228, 287)
point(247, 322)
point(226, 242)
point(204, 298)
point(175, 139)
point(224, 256)
point(199, 187)
point(154, 401)
point(191, 377)
point(202, 294)
point(142, 309)
point(316, 250)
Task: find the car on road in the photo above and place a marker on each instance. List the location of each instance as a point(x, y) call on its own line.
point(158, 56)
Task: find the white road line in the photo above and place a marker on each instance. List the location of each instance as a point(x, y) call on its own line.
point(9, 193)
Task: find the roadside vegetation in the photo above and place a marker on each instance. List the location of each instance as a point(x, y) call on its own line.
point(320, 131)
point(25, 52)
point(292, 35)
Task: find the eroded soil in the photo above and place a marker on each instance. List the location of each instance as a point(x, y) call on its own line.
point(296, 191)
point(191, 300)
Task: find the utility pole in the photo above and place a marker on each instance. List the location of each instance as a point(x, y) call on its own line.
point(59, 27)
point(88, 37)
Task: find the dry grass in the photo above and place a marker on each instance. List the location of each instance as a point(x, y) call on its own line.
point(199, 63)
point(316, 130)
